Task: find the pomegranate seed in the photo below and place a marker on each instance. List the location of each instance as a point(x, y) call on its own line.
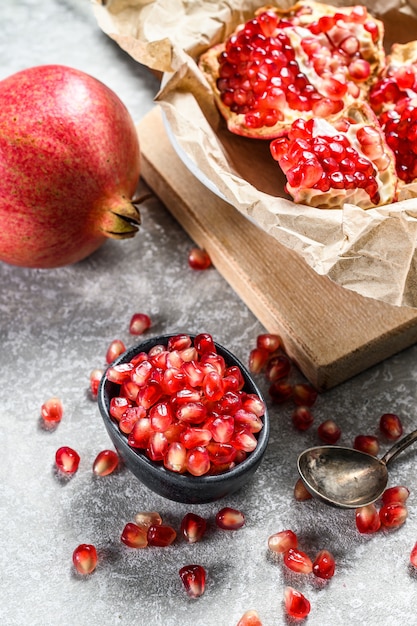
point(302, 418)
point(139, 436)
point(130, 417)
point(194, 580)
point(246, 418)
point(222, 429)
point(280, 392)
point(221, 453)
point(67, 460)
point(105, 463)
point(413, 556)
point(278, 367)
point(193, 373)
point(252, 403)
point(118, 407)
point(148, 518)
point(149, 394)
point(282, 541)
point(134, 536)
point(161, 416)
point(213, 386)
point(157, 446)
point(115, 349)
point(195, 437)
point(301, 493)
point(198, 461)
point(84, 558)
point(199, 259)
point(324, 565)
point(258, 358)
point(367, 519)
point(329, 432)
point(298, 561)
point(393, 515)
point(191, 413)
point(395, 494)
point(250, 618)
point(367, 443)
point(176, 457)
point(119, 374)
point(52, 411)
point(304, 394)
point(234, 374)
point(391, 426)
point(95, 379)
point(243, 439)
point(268, 342)
point(139, 323)
point(296, 604)
point(193, 527)
point(204, 343)
point(230, 519)
point(161, 535)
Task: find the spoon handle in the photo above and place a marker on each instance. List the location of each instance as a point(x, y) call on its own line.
point(399, 447)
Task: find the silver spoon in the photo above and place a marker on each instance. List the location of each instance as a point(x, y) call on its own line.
point(345, 477)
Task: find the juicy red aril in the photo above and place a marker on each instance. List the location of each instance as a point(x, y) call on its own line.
point(250, 618)
point(148, 518)
point(391, 427)
point(105, 463)
point(282, 541)
point(280, 392)
point(115, 349)
point(161, 416)
point(393, 515)
point(194, 437)
point(139, 322)
point(221, 453)
point(95, 378)
point(198, 461)
point(213, 386)
point(304, 394)
point(329, 432)
point(367, 519)
point(277, 367)
point(161, 535)
point(395, 494)
point(204, 343)
point(67, 460)
point(149, 394)
point(252, 403)
point(413, 556)
point(158, 446)
point(134, 536)
point(301, 492)
point(140, 434)
point(118, 407)
point(243, 439)
point(119, 373)
point(222, 429)
point(230, 519)
point(193, 527)
point(367, 443)
point(298, 561)
point(324, 565)
point(52, 411)
point(176, 457)
point(302, 418)
point(191, 412)
point(268, 342)
point(246, 418)
point(130, 417)
point(199, 259)
point(179, 342)
point(84, 558)
point(258, 358)
point(194, 579)
point(296, 604)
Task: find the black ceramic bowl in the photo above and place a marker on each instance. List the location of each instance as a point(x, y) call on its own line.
point(181, 487)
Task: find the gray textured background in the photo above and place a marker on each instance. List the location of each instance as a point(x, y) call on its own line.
point(55, 328)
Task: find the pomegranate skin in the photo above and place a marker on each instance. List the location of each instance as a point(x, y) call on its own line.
point(69, 166)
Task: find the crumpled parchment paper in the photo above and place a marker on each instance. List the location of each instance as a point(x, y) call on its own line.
point(373, 252)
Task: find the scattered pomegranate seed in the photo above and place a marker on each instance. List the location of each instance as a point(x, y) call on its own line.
point(134, 536)
point(301, 493)
point(105, 463)
point(199, 259)
point(367, 519)
point(268, 342)
point(161, 535)
point(282, 541)
point(277, 367)
point(194, 579)
point(52, 411)
point(296, 604)
point(298, 561)
point(115, 349)
point(329, 432)
point(413, 556)
point(139, 323)
point(324, 565)
point(393, 515)
point(302, 418)
point(367, 443)
point(67, 460)
point(280, 392)
point(395, 494)
point(84, 558)
point(230, 519)
point(304, 394)
point(391, 426)
point(250, 618)
point(148, 518)
point(95, 378)
point(193, 527)
point(258, 358)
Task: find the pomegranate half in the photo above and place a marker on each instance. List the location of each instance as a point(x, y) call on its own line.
point(69, 166)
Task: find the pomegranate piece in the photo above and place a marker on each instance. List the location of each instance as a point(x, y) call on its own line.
point(324, 565)
point(390, 426)
point(198, 461)
point(278, 367)
point(413, 556)
point(367, 519)
point(296, 604)
point(115, 349)
point(52, 411)
point(67, 460)
point(268, 342)
point(139, 323)
point(230, 519)
point(105, 463)
point(329, 432)
point(193, 527)
point(176, 458)
point(194, 579)
point(199, 259)
point(282, 541)
point(395, 494)
point(119, 374)
point(304, 394)
point(250, 618)
point(161, 535)
point(85, 558)
point(298, 561)
point(301, 493)
point(258, 358)
point(95, 378)
point(134, 536)
point(367, 443)
point(148, 518)
point(393, 515)
point(280, 392)
point(302, 418)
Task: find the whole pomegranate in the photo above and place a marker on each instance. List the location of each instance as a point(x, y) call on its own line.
point(69, 166)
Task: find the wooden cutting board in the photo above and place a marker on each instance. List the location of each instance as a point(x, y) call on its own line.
point(330, 332)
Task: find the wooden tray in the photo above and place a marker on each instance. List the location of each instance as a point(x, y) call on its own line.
point(330, 332)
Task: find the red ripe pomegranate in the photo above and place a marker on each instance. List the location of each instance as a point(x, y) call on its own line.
point(69, 167)
point(309, 60)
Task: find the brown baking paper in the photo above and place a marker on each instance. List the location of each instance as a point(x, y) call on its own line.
point(373, 252)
